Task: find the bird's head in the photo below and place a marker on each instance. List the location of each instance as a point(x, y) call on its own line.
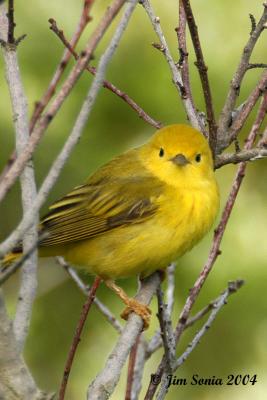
point(179, 155)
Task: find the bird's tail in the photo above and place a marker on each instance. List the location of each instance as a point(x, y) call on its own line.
point(11, 257)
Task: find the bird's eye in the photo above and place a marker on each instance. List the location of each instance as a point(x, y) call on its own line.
point(161, 152)
point(198, 158)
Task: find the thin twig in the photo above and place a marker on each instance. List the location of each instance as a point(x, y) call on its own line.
point(225, 117)
point(248, 106)
point(131, 367)
point(74, 136)
point(41, 104)
point(256, 65)
point(61, 36)
point(203, 73)
point(183, 61)
point(233, 287)
point(85, 289)
point(245, 155)
point(154, 344)
point(214, 251)
point(199, 315)
point(248, 154)
point(205, 310)
point(76, 338)
point(141, 113)
point(166, 331)
point(19, 105)
point(139, 369)
point(253, 23)
point(156, 341)
point(170, 291)
point(192, 115)
point(11, 175)
point(11, 23)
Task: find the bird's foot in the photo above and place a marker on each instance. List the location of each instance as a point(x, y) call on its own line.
point(132, 304)
point(140, 309)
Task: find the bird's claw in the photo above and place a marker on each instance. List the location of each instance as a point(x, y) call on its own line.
point(140, 309)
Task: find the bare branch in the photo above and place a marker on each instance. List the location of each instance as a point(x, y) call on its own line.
point(253, 23)
point(142, 114)
point(74, 136)
point(183, 61)
point(199, 315)
point(176, 75)
point(16, 381)
point(131, 368)
point(41, 104)
point(105, 382)
point(85, 289)
point(156, 342)
point(249, 154)
point(248, 106)
point(76, 338)
point(233, 287)
point(170, 287)
point(244, 155)
point(202, 69)
point(138, 369)
point(166, 331)
point(27, 180)
point(256, 65)
point(11, 23)
point(18, 165)
point(225, 117)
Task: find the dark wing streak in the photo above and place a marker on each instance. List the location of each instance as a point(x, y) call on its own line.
point(93, 226)
point(103, 208)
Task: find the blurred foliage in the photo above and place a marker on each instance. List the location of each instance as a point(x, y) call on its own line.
point(236, 344)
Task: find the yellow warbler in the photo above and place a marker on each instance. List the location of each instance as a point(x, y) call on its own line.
point(140, 211)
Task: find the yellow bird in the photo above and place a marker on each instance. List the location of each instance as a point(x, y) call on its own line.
point(137, 213)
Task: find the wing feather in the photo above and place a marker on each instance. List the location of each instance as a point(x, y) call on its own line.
point(91, 210)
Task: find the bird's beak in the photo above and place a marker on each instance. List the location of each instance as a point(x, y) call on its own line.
point(180, 159)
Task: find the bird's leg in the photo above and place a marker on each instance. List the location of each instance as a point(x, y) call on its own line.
point(132, 305)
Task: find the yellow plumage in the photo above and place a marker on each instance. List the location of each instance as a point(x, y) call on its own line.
point(140, 211)
point(137, 213)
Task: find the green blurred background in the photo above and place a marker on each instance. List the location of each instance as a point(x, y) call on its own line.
point(236, 344)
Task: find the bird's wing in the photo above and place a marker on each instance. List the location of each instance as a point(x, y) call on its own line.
point(90, 210)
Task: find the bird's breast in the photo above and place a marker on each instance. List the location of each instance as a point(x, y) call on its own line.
point(188, 215)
